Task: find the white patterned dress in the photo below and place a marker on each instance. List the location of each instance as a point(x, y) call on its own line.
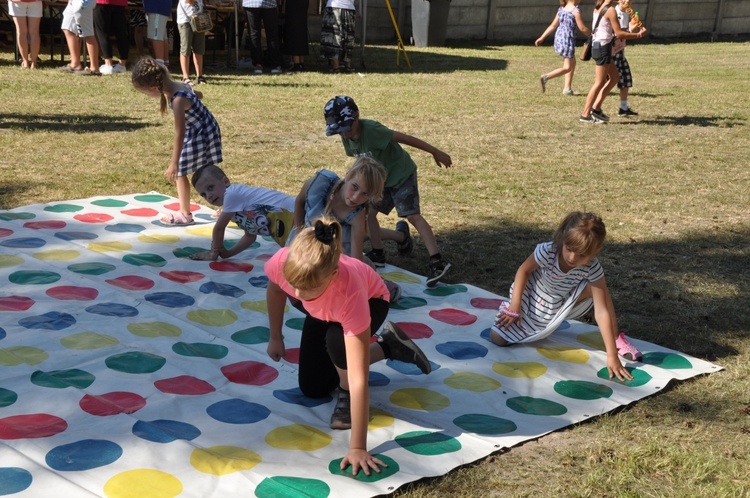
point(550, 296)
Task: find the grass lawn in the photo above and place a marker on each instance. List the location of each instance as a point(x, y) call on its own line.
point(673, 187)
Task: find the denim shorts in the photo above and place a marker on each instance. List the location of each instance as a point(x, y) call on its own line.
point(405, 198)
point(602, 55)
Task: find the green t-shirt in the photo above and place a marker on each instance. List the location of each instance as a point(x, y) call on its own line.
point(375, 141)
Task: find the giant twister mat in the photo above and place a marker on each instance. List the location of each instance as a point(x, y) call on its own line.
point(129, 370)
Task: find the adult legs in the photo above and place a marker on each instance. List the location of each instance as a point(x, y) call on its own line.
point(34, 39)
point(22, 35)
point(254, 23)
point(271, 25)
point(600, 81)
point(74, 47)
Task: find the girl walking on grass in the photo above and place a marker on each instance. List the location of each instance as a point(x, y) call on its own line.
point(345, 302)
point(197, 141)
point(566, 21)
point(563, 280)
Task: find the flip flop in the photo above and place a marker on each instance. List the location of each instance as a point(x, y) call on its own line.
point(178, 220)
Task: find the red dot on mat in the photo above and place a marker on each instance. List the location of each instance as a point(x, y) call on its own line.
point(93, 217)
point(141, 212)
point(113, 403)
point(34, 425)
point(415, 330)
point(72, 293)
point(250, 373)
point(131, 282)
point(231, 266)
point(52, 224)
point(486, 303)
point(453, 316)
point(182, 277)
point(175, 206)
point(184, 384)
point(16, 303)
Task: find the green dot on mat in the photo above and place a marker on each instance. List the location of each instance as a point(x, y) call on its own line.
point(200, 350)
point(670, 361)
point(186, 252)
point(154, 329)
point(213, 318)
point(253, 335)
point(144, 259)
point(335, 468)
point(581, 389)
point(484, 425)
point(446, 290)
point(16, 355)
point(151, 198)
point(592, 339)
point(535, 406)
point(34, 277)
point(8, 260)
point(8, 216)
point(135, 362)
point(407, 303)
point(428, 443)
point(640, 377)
point(61, 379)
point(295, 323)
point(7, 397)
point(291, 487)
point(109, 203)
point(91, 268)
point(63, 208)
point(88, 340)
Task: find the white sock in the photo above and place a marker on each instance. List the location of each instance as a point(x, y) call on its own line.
point(624, 105)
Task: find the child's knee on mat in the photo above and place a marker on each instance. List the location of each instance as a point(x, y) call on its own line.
point(498, 339)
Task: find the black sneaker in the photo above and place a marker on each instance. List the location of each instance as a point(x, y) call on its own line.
point(377, 259)
point(401, 348)
point(437, 270)
point(626, 112)
point(407, 246)
point(591, 119)
point(600, 115)
point(341, 418)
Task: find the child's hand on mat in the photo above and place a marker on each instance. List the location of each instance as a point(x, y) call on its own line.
point(615, 368)
point(276, 349)
point(361, 459)
point(205, 256)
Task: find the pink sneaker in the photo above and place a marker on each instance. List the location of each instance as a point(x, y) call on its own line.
point(627, 350)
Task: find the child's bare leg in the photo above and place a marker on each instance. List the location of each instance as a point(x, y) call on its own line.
point(185, 66)
point(425, 231)
point(374, 227)
point(74, 48)
point(92, 44)
point(498, 339)
point(388, 234)
point(565, 69)
point(183, 194)
point(198, 60)
point(569, 63)
point(614, 77)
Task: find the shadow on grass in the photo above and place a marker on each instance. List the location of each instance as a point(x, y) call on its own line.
point(87, 123)
point(10, 192)
point(686, 294)
point(702, 121)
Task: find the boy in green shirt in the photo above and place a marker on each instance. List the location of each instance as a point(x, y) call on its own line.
point(367, 138)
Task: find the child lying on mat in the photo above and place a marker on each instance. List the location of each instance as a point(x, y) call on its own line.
point(257, 210)
point(563, 279)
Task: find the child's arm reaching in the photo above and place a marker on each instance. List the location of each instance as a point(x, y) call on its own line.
point(299, 206)
point(604, 313)
point(276, 301)
point(519, 284)
point(441, 158)
point(547, 31)
point(579, 22)
point(217, 241)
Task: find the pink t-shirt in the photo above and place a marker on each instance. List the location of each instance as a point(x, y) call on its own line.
point(345, 300)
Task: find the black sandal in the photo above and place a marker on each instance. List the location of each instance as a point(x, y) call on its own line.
point(201, 81)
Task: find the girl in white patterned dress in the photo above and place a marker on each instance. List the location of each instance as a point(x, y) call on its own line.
point(563, 280)
point(197, 140)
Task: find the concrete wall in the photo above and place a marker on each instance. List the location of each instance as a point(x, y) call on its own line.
point(524, 20)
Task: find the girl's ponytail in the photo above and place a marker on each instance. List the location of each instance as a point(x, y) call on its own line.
point(314, 254)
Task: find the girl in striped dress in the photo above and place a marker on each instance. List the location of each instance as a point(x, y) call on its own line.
point(563, 280)
point(197, 140)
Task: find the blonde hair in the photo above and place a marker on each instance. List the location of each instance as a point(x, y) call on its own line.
point(147, 72)
point(582, 233)
point(314, 254)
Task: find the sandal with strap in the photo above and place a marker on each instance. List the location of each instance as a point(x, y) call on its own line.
point(177, 219)
point(627, 350)
point(187, 81)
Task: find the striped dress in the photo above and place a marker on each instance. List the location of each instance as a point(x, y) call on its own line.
point(202, 145)
point(550, 296)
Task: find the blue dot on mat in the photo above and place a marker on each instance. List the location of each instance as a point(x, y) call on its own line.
point(52, 320)
point(83, 455)
point(24, 243)
point(259, 282)
point(165, 431)
point(408, 368)
point(238, 411)
point(76, 235)
point(564, 325)
point(221, 289)
point(2, 334)
point(295, 397)
point(378, 379)
point(459, 350)
point(125, 228)
point(170, 299)
point(14, 480)
point(485, 334)
point(113, 309)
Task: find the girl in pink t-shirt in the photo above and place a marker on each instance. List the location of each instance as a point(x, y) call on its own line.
point(345, 303)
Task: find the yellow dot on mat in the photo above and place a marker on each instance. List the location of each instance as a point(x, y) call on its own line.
point(259, 306)
point(138, 483)
point(400, 277)
point(56, 255)
point(379, 419)
point(202, 231)
point(154, 329)
point(416, 398)
point(214, 318)
point(570, 355)
point(530, 369)
point(89, 340)
point(592, 339)
point(222, 460)
point(298, 437)
point(469, 381)
point(158, 238)
point(17, 355)
point(6, 260)
point(110, 247)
